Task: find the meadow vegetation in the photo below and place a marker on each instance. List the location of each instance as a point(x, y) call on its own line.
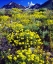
point(26, 36)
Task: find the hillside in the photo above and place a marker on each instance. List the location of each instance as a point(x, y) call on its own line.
point(26, 37)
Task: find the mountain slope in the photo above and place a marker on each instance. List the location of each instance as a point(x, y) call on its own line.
point(13, 5)
point(48, 4)
point(36, 6)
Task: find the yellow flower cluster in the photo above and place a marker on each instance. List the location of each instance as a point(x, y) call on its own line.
point(39, 15)
point(50, 22)
point(27, 56)
point(9, 57)
point(26, 38)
